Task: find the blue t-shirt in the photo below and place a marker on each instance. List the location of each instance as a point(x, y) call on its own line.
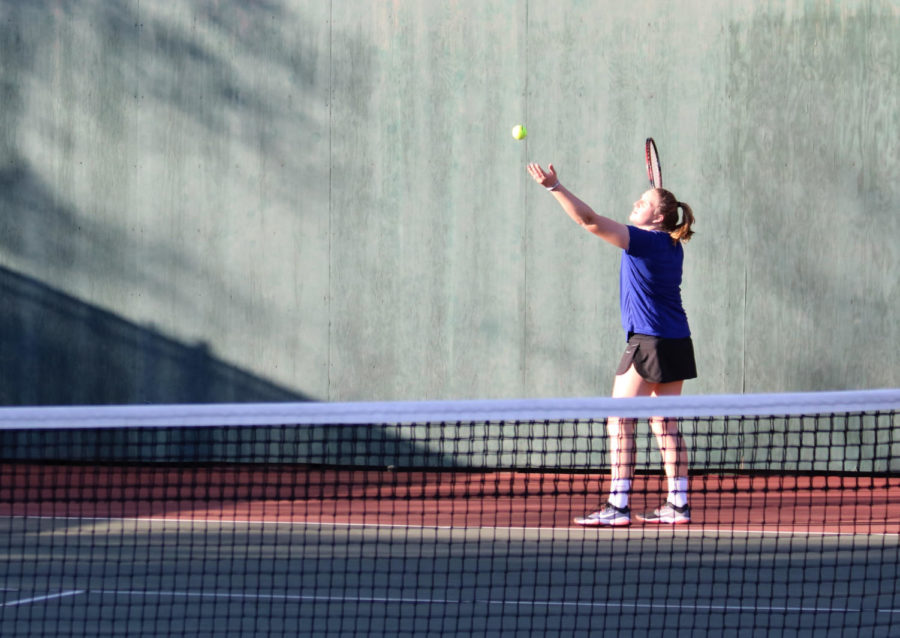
point(650, 285)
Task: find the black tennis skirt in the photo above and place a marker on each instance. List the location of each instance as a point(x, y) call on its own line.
point(659, 360)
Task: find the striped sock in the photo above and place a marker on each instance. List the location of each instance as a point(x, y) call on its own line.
point(618, 492)
point(678, 491)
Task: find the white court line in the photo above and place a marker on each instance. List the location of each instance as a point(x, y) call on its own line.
point(37, 599)
point(685, 530)
point(283, 597)
point(676, 606)
point(521, 603)
point(446, 601)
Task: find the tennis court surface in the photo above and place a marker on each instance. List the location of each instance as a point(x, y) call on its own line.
point(447, 518)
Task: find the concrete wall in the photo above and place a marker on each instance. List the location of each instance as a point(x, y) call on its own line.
point(325, 196)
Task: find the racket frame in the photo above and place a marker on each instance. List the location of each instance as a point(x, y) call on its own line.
point(654, 168)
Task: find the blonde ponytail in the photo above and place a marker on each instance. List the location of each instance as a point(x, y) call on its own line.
point(668, 208)
point(683, 230)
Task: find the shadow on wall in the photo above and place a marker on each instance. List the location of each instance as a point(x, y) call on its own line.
point(57, 350)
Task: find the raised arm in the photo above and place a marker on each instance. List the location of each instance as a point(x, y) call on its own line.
point(603, 227)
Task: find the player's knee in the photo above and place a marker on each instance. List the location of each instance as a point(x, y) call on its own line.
point(619, 427)
point(664, 427)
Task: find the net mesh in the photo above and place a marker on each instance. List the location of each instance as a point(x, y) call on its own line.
point(447, 518)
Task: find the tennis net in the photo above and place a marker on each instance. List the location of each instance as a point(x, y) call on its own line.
point(427, 518)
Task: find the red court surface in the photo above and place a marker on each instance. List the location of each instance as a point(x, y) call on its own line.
point(788, 504)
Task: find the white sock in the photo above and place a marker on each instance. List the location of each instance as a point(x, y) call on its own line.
point(678, 491)
point(618, 492)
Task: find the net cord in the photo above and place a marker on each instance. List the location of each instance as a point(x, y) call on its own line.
point(491, 410)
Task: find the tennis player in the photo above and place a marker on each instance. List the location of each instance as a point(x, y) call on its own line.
point(659, 355)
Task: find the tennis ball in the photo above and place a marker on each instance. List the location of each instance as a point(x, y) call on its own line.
point(519, 131)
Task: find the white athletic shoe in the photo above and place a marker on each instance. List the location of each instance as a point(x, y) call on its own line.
point(609, 516)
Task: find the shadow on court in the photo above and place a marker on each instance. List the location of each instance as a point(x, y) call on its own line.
point(209, 578)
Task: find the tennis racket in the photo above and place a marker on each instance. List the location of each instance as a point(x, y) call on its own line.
point(654, 172)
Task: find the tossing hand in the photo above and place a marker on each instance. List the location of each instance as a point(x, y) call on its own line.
point(547, 179)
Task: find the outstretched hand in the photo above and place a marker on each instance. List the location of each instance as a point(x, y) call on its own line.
point(547, 179)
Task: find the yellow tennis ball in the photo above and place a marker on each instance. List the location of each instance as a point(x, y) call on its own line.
point(519, 131)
